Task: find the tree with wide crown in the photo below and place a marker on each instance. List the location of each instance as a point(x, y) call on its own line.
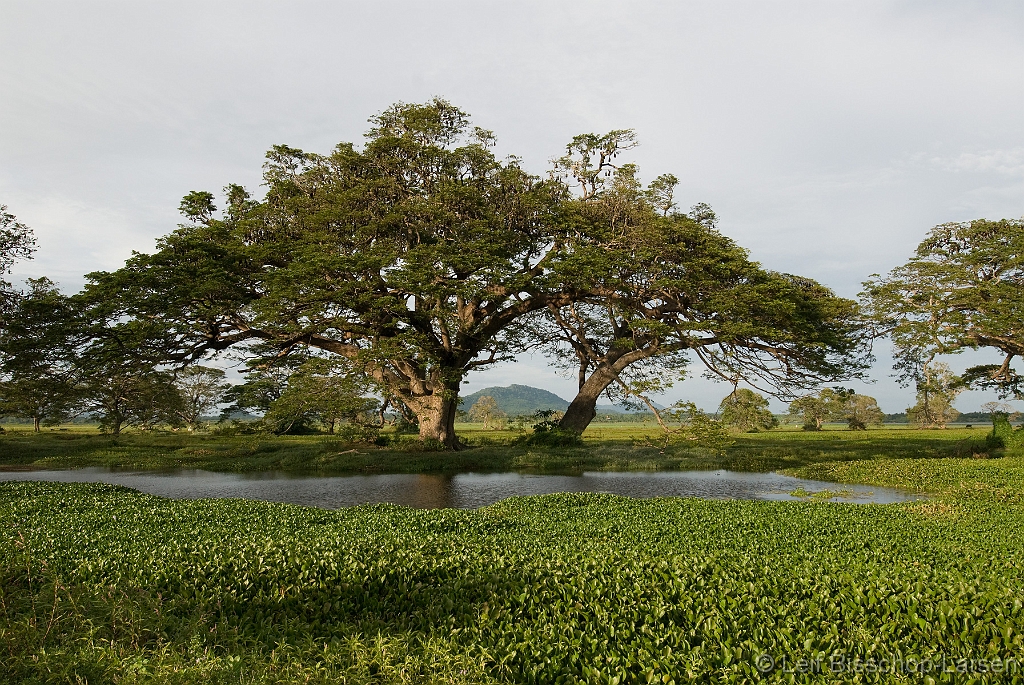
point(420, 257)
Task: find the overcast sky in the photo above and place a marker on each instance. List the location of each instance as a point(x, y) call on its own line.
point(829, 137)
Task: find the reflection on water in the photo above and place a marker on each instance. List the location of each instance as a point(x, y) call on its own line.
point(463, 491)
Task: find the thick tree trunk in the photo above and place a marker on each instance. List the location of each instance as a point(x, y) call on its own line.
point(583, 407)
point(436, 414)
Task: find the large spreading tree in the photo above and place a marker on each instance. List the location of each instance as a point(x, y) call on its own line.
point(420, 256)
point(662, 288)
point(963, 289)
point(408, 256)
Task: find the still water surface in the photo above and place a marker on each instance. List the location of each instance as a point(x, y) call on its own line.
point(462, 491)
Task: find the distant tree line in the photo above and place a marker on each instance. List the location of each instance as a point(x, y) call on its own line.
point(373, 279)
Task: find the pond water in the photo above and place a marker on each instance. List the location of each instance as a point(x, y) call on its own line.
point(462, 491)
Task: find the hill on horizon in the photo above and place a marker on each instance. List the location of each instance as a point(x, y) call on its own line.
point(524, 400)
point(516, 400)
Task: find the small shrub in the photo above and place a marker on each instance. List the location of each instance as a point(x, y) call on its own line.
point(236, 427)
point(1003, 433)
point(406, 427)
point(547, 433)
point(358, 432)
point(414, 444)
point(554, 437)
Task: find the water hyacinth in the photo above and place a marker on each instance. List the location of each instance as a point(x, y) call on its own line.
point(559, 588)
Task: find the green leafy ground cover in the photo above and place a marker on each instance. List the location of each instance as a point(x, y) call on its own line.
point(103, 584)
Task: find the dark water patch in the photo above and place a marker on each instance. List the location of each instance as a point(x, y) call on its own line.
point(464, 490)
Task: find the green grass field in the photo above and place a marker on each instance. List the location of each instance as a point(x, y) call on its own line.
point(607, 447)
point(101, 584)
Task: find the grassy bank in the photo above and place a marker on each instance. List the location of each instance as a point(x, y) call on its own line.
point(607, 447)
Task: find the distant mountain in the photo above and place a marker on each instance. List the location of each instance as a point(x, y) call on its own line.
point(518, 400)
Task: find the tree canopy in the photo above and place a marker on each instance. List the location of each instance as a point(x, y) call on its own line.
point(937, 388)
point(837, 404)
point(661, 285)
point(420, 256)
point(963, 288)
point(16, 240)
point(39, 355)
point(200, 390)
point(745, 410)
point(408, 257)
point(486, 411)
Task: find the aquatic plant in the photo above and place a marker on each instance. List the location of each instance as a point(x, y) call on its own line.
point(102, 582)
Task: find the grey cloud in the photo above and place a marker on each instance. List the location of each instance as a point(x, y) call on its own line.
point(828, 136)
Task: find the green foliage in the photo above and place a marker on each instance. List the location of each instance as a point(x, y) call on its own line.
point(303, 396)
point(421, 256)
point(818, 408)
point(621, 447)
point(837, 404)
point(695, 429)
point(322, 391)
point(40, 334)
point(937, 387)
point(486, 411)
point(131, 395)
point(201, 388)
point(101, 582)
point(665, 287)
point(261, 388)
point(861, 411)
point(963, 289)
point(16, 240)
point(745, 410)
point(358, 433)
point(1004, 434)
point(408, 257)
point(554, 437)
point(547, 432)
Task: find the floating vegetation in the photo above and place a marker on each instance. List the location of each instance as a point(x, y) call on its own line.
point(102, 583)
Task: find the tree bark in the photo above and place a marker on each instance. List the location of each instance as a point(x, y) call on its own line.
point(583, 407)
point(436, 415)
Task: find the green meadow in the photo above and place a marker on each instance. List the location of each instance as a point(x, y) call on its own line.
point(621, 447)
point(102, 584)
